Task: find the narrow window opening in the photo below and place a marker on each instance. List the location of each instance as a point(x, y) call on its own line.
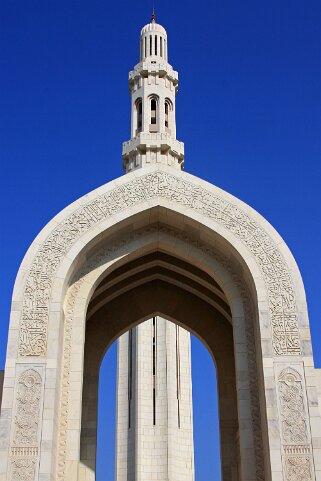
point(145, 47)
point(139, 116)
point(150, 45)
point(178, 382)
point(130, 373)
point(153, 111)
point(155, 44)
point(166, 114)
point(161, 46)
point(154, 371)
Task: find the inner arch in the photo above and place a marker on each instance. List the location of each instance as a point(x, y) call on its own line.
point(160, 284)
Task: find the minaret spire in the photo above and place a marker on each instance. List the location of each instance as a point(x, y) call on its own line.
point(153, 87)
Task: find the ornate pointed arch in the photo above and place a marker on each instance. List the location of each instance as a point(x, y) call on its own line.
point(241, 225)
point(207, 218)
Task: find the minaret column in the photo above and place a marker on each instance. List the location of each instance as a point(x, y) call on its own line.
point(154, 404)
point(153, 140)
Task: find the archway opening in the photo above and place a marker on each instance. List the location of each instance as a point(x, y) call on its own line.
point(158, 284)
point(204, 413)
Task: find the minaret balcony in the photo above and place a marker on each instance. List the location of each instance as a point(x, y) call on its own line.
point(160, 140)
point(143, 69)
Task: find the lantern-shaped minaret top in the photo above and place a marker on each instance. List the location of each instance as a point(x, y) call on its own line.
point(153, 86)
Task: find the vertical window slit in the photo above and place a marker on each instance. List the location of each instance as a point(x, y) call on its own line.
point(161, 46)
point(130, 373)
point(153, 105)
point(139, 115)
point(150, 45)
point(178, 381)
point(154, 370)
point(166, 114)
point(155, 44)
point(145, 47)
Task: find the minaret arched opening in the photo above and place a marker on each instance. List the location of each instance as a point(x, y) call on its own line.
point(153, 105)
point(139, 115)
point(168, 111)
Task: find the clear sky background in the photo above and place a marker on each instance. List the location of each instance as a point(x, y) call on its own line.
point(248, 110)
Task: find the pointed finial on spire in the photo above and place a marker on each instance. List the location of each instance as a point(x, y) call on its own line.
point(153, 15)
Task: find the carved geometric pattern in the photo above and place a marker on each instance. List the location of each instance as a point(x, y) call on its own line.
point(71, 299)
point(27, 409)
point(33, 327)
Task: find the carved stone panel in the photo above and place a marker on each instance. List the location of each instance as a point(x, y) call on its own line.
point(24, 452)
point(299, 468)
point(27, 409)
point(293, 413)
point(295, 430)
point(23, 469)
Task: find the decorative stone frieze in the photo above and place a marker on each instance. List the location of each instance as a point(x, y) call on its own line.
point(283, 315)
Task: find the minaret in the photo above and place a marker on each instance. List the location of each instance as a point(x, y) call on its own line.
point(154, 420)
point(153, 87)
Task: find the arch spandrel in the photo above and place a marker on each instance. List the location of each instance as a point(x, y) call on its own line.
point(133, 202)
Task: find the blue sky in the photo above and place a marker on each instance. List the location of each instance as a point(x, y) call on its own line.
point(248, 110)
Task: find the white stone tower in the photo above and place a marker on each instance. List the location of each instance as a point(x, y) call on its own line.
point(154, 425)
point(153, 86)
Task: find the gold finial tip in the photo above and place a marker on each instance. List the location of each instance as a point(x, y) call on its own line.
point(153, 15)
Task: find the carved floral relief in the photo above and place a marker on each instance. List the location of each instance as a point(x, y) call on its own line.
point(24, 448)
point(298, 468)
point(23, 469)
point(293, 413)
point(294, 426)
point(27, 409)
